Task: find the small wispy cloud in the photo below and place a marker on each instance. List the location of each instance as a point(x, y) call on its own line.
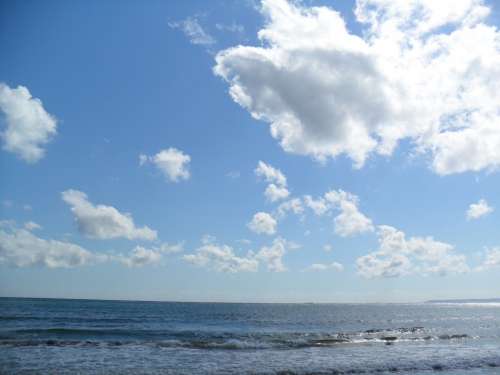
point(233, 28)
point(194, 31)
point(479, 209)
point(31, 225)
point(233, 174)
point(324, 267)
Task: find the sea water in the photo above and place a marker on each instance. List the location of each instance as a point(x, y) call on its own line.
point(58, 336)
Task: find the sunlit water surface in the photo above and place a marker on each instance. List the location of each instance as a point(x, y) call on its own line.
point(51, 336)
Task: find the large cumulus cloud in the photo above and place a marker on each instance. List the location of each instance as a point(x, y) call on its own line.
point(424, 71)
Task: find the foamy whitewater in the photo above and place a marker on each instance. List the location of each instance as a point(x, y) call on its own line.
point(100, 337)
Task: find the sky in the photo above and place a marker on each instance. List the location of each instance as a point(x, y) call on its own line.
point(250, 151)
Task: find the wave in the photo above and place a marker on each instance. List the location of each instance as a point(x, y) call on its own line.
point(291, 339)
point(66, 319)
point(401, 365)
point(15, 318)
point(425, 366)
point(218, 340)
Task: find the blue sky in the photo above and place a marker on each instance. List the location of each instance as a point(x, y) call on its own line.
point(139, 172)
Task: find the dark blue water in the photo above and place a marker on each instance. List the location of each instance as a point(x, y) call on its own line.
point(51, 336)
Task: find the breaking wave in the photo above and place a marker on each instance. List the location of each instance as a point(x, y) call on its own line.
point(218, 340)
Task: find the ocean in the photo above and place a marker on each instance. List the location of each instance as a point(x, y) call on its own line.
point(61, 336)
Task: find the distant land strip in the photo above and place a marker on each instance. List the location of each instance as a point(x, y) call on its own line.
point(487, 300)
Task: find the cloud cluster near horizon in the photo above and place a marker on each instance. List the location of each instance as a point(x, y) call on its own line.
point(103, 222)
point(222, 258)
point(399, 256)
point(142, 256)
point(21, 248)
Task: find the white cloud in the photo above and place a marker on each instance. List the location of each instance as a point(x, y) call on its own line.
point(276, 190)
point(272, 255)
point(293, 205)
point(275, 193)
point(233, 27)
point(31, 225)
point(143, 159)
point(398, 256)
point(221, 258)
point(309, 50)
point(233, 174)
point(492, 259)
point(375, 265)
point(194, 31)
point(270, 174)
point(479, 209)
point(21, 248)
point(328, 248)
point(208, 239)
point(291, 245)
point(103, 222)
point(262, 223)
point(424, 70)
point(141, 256)
point(319, 206)
point(166, 248)
point(350, 221)
point(324, 267)
point(173, 163)
point(29, 127)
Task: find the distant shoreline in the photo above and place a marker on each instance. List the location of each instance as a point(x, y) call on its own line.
point(484, 300)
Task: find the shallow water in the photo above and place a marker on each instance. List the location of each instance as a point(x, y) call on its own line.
point(99, 337)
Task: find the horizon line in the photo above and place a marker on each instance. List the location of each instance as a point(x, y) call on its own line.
point(445, 300)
